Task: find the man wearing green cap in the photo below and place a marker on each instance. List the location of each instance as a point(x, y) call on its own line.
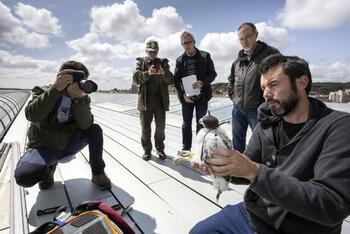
point(152, 76)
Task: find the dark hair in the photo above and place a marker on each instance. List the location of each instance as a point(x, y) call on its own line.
point(293, 66)
point(75, 65)
point(251, 25)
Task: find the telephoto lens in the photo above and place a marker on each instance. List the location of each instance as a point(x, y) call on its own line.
point(88, 86)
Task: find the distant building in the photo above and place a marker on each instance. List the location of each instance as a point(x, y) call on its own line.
point(340, 96)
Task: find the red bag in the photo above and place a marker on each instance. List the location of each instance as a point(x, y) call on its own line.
point(88, 216)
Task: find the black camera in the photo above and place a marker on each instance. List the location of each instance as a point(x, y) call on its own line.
point(157, 62)
point(88, 86)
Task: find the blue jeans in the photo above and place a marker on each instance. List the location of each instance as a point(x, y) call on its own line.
point(187, 115)
point(232, 219)
point(240, 121)
point(33, 166)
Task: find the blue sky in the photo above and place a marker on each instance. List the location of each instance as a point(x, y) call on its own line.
point(37, 36)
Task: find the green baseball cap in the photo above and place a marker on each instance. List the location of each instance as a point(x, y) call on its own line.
point(152, 46)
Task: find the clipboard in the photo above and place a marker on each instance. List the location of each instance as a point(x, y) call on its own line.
point(187, 82)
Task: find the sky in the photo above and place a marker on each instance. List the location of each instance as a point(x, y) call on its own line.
point(37, 36)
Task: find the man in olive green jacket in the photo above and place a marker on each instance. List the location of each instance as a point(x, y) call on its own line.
point(61, 125)
point(152, 77)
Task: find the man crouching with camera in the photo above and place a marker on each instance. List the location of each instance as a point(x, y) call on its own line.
point(61, 125)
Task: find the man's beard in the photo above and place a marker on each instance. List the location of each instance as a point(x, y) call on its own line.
point(283, 108)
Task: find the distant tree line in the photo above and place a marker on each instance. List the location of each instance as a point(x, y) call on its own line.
point(321, 88)
point(326, 87)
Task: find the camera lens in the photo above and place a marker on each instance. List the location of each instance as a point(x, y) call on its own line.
point(88, 86)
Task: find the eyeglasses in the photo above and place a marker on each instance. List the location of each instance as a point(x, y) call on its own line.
point(247, 36)
point(186, 42)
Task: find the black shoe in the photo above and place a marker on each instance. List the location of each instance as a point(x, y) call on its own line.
point(48, 181)
point(161, 154)
point(146, 156)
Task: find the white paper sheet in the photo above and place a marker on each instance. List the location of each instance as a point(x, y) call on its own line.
point(187, 82)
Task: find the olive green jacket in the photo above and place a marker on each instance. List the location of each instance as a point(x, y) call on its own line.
point(45, 132)
point(141, 76)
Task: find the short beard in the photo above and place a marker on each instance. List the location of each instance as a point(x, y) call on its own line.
point(286, 107)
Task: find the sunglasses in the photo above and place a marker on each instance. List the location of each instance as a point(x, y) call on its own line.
point(186, 42)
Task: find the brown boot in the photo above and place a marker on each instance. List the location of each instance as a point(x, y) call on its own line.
point(48, 181)
point(102, 181)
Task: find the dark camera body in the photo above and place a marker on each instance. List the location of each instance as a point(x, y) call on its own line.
point(157, 62)
point(88, 86)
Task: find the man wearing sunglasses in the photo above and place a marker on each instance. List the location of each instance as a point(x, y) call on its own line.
point(198, 63)
point(244, 83)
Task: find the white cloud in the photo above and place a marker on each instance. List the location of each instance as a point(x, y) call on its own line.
point(92, 50)
point(164, 21)
point(332, 72)
point(7, 20)
point(39, 20)
point(121, 21)
point(114, 60)
point(8, 60)
point(224, 47)
point(108, 77)
point(275, 36)
point(91, 47)
point(31, 40)
point(18, 71)
point(124, 22)
point(314, 14)
point(114, 63)
point(117, 36)
point(103, 60)
point(15, 31)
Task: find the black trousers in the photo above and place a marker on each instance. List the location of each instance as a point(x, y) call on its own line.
point(154, 109)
